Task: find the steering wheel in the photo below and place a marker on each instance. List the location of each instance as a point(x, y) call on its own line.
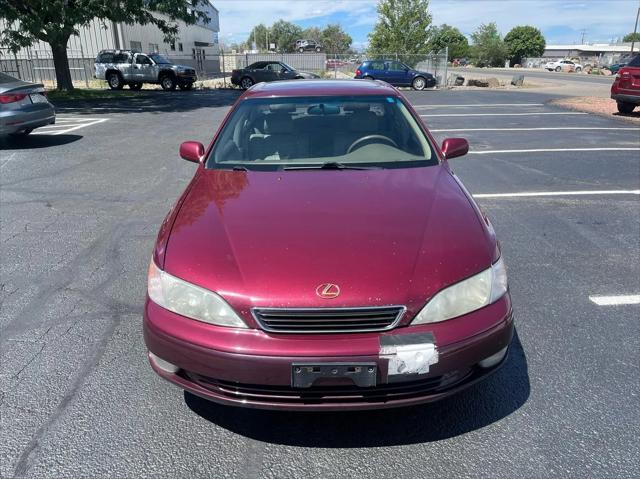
point(371, 137)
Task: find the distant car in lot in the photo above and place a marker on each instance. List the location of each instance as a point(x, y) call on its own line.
point(395, 73)
point(333, 63)
point(23, 107)
point(617, 66)
point(129, 67)
point(626, 86)
point(563, 65)
point(308, 46)
point(262, 291)
point(265, 72)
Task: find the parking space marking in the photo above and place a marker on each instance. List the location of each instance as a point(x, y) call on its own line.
point(68, 124)
point(622, 299)
point(533, 194)
point(537, 129)
point(551, 150)
point(482, 105)
point(509, 114)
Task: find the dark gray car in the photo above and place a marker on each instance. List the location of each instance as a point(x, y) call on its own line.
point(23, 106)
point(267, 71)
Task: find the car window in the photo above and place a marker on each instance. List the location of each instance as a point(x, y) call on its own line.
point(274, 67)
point(160, 59)
point(257, 66)
point(275, 133)
point(105, 58)
point(635, 62)
point(376, 66)
point(4, 78)
point(396, 67)
point(123, 57)
point(142, 60)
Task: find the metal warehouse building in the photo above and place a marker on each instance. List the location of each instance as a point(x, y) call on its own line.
point(196, 46)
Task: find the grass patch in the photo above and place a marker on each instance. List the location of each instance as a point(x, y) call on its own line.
point(84, 94)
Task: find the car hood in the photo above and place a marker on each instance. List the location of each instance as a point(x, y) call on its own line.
point(385, 237)
point(181, 67)
point(418, 72)
point(308, 75)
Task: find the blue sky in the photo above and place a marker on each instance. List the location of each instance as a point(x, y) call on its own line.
point(561, 21)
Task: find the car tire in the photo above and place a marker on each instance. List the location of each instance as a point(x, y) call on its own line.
point(419, 83)
point(168, 83)
point(246, 83)
point(115, 81)
point(367, 77)
point(625, 107)
point(578, 70)
point(186, 86)
point(301, 50)
point(558, 69)
point(318, 49)
point(135, 86)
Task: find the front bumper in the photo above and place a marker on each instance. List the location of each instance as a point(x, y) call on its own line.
point(255, 370)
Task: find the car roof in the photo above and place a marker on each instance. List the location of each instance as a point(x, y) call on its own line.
point(289, 88)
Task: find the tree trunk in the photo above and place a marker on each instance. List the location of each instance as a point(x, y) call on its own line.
point(61, 64)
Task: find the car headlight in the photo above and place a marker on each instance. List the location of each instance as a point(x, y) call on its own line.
point(190, 300)
point(466, 296)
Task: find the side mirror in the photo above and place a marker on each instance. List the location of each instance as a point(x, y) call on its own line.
point(454, 147)
point(192, 151)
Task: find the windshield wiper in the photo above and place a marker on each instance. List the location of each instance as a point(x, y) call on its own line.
point(331, 165)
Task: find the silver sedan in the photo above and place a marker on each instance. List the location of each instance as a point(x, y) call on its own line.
point(23, 107)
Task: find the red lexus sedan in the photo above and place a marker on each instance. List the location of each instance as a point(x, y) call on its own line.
point(325, 257)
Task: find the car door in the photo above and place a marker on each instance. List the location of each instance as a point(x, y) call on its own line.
point(272, 71)
point(142, 68)
point(397, 74)
point(376, 70)
point(285, 73)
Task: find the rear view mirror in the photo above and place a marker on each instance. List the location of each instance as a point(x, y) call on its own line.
point(454, 147)
point(192, 151)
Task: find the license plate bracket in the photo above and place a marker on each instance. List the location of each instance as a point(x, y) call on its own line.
point(303, 375)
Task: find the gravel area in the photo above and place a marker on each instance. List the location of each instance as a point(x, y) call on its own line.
point(599, 106)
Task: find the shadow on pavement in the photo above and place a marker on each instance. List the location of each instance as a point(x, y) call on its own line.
point(36, 141)
point(482, 404)
point(151, 102)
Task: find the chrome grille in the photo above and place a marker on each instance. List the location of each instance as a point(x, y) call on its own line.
point(328, 320)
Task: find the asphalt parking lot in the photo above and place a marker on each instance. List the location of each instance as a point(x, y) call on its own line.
point(80, 207)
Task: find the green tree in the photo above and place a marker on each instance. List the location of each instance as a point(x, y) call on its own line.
point(630, 37)
point(259, 35)
point(524, 41)
point(312, 33)
point(54, 21)
point(446, 36)
point(285, 35)
point(402, 27)
point(335, 40)
point(488, 48)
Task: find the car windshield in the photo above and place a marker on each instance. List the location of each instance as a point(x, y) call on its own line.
point(321, 132)
point(287, 66)
point(160, 59)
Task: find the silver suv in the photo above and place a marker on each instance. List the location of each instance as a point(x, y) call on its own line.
point(128, 67)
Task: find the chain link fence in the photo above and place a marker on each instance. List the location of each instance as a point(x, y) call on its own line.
point(37, 65)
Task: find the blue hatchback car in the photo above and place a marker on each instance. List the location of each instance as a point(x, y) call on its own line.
point(395, 73)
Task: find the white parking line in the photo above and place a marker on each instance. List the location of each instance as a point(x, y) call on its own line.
point(536, 129)
point(622, 299)
point(551, 150)
point(557, 193)
point(66, 125)
point(509, 114)
point(482, 105)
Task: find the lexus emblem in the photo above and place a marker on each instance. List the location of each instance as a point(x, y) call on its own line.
point(328, 290)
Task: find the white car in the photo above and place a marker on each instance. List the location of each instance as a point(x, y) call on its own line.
point(563, 65)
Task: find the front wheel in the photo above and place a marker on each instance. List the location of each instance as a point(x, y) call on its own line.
point(625, 107)
point(301, 50)
point(318, 49)
point(418, 83)
point(135, 86)
point(558, 69)
point(186, 86)
point(246, 83)
point(578, 70)
point(168, 83)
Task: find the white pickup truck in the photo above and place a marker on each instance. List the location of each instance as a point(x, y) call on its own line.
point(128, 67)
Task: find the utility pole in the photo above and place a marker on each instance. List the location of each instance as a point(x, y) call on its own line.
point(582, 39)
point(635, 30)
